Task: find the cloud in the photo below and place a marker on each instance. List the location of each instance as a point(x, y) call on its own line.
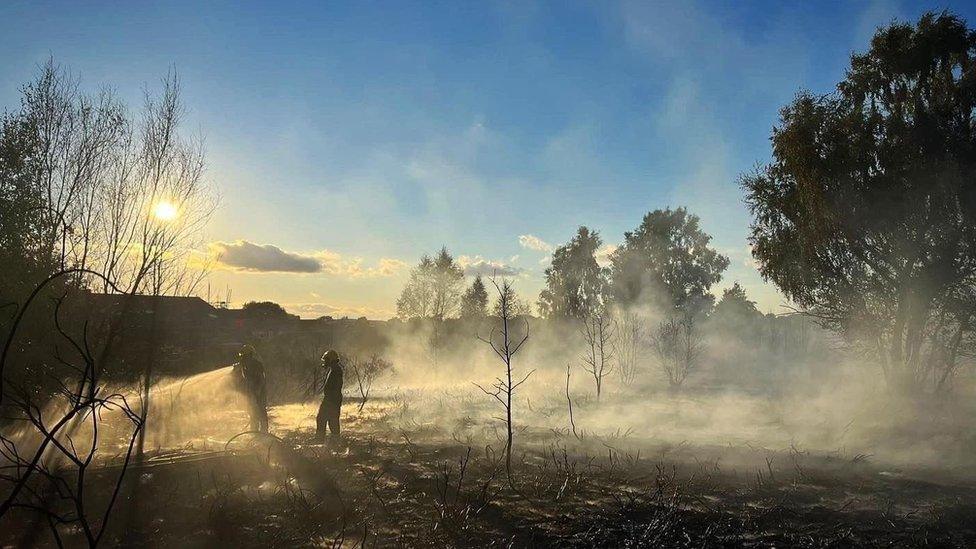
point(603, 254)
point(477, 265)
point(533, 242)
point(244, 256)
point(316, 310)
point(389, 267)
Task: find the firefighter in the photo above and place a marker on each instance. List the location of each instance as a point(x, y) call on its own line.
point(250, 377)
point(332, 396)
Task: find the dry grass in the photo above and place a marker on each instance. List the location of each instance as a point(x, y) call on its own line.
point(397, 481)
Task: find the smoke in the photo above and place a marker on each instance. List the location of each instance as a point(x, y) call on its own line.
point(782, 385)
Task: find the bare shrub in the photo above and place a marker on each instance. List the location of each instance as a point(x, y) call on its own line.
point(678, 346)
point(45, 464)
point(629, 345)
point(598, 330)
point(366, 372)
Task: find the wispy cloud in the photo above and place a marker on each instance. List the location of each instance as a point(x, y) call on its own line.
point(532, 242)
point(603, 254)
point(316, 310)
point(477, 265)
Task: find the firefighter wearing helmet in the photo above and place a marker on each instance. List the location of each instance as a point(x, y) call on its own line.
point(250, 377)
point(328, 415)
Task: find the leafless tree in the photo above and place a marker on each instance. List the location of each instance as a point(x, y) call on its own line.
point(677, 345)
point(569, 401)
point(505, 345)
point(598, 331)
point(105, 175)
point(44, 469)
point(366, 372)
point(629, 345)
point(124, 195)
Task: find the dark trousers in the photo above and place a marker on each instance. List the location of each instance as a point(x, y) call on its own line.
point(328, 416)
point(258, 410)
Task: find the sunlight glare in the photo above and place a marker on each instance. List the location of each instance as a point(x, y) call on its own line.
point(165, 211)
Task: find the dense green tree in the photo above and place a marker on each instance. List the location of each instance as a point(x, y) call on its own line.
point(474, 302)
point(866, 217)
point(24, 258)
point(736, 304)
point(666, 262)
point(575, 282)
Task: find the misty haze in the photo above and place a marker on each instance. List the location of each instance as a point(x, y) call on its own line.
point(613, 274)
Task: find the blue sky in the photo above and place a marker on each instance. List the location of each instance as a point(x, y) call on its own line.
point(364, 134)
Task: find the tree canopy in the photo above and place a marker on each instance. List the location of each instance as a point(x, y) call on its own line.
point(575, 282)
point(508, 304)
point(866, 217)
point(25, 258)
point(666, 261)
point(736, 304)
point(264, 309)
point(474, 302)
point(434, 289)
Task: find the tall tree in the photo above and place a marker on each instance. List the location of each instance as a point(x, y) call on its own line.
point(509, 303)
point(506, 345)
point(866, 217)
point(22, 229)
point(90, 178)
point(434, 289)
point(667, 262)
point(736, 304)
point(474, 302)
point(575, 281)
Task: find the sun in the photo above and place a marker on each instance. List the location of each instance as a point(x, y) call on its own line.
point(165, 211)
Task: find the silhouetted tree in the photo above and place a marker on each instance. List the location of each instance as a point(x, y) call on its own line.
point(506, 345)
point(264, 309)
point(509, 303)
point(434, 289)
point(735, 304)
point(575, 282)
point(366, 371)
point(666, 262)
point(474, 302)
point(22, 225)
point(866, 217)
point(92, 175)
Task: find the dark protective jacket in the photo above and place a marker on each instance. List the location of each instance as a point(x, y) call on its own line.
point(252, 376)
point(332, 388)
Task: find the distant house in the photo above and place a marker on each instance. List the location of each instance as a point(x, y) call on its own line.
point(186, 331)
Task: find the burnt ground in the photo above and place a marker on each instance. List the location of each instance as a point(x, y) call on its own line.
point(382, 486)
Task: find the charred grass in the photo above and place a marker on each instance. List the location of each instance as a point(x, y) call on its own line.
point(422, 486)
